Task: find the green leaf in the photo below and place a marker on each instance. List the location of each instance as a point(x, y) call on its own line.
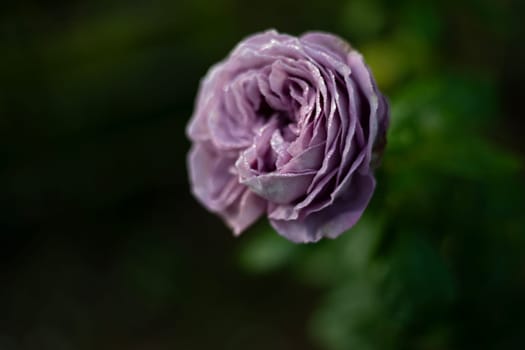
point(266, 251)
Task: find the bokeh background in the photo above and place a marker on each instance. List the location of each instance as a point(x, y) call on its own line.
point(103, 247)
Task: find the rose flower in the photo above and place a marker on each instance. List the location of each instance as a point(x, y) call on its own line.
point(290, 128)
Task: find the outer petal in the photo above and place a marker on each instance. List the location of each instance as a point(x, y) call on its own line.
point(333, 220)
point(244, 212)
point(329, 42)
point(366, 82)
point(218, 189)
point(212, 182)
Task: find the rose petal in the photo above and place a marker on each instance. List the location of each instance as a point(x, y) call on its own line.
point(280, 188)
point(244, 212)
point(333, 220)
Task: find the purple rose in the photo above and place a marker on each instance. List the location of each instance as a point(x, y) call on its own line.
point(291, 128)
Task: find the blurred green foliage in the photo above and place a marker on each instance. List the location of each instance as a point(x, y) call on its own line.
point(102, 246)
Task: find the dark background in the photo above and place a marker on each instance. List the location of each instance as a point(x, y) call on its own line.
point(103, 247)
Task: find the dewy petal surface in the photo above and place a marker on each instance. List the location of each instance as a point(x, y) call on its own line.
point(291, 127)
